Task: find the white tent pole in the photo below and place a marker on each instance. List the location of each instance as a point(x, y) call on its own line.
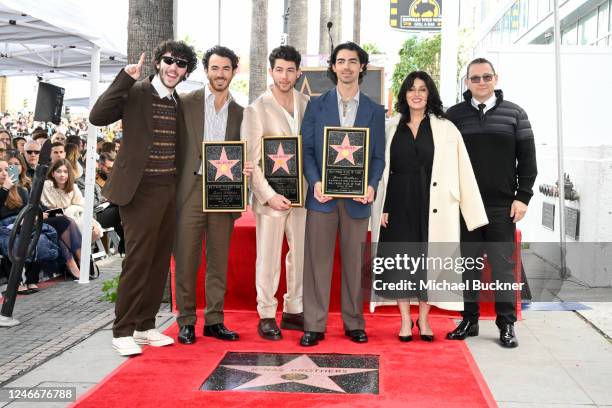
point(560, 165)
point(90, 169)
point(448, 57)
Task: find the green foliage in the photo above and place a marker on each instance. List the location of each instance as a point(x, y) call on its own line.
point(418, 55)
point(191, 41)
point(371, 48)
point(240, 86)
point(109, 287)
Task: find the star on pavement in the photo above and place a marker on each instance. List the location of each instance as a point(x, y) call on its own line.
point(301, 370)
point(345, 150)
point(280, 159)
point(223, 165)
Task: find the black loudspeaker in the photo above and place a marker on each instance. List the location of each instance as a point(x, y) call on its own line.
point(49, 103)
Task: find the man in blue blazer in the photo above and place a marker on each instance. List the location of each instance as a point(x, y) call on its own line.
point(345, 106)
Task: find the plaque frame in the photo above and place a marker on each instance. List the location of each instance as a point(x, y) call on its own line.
point(299, 163)
point(242, 183)
point(366, 161)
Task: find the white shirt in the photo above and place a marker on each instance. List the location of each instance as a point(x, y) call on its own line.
point(215, 122)
point(489, 102)
point(161, 89)
point(292, 119)
point(347, 110)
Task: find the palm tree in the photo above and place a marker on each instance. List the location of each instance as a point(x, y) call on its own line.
point(323, 35)
point(336, 18)
point(298, 25)
point(259, 49)
point(149, 23)
point(357, 21)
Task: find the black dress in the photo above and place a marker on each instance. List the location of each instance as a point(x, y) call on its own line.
point(407, 202)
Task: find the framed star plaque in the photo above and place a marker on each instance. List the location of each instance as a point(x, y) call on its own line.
point(225, 187)
point(345, 162)
point(281, 163)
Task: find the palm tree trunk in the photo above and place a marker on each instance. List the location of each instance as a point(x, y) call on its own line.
point(298, 25)
point(149, 23)
point(259, 49)
point(357, 21)
point(336, 18)
point(323, 35)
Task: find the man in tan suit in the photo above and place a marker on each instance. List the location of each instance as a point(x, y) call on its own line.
point(278, 112)
point(143, 185)
point(211, 114)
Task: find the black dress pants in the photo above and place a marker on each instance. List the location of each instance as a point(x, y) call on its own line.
point(496, 240)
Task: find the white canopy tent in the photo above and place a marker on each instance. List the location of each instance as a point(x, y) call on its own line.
point(54, 40)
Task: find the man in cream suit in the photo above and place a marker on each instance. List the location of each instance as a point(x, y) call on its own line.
point(278, 112)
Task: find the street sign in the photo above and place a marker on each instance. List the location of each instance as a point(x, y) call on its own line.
point(416, 15)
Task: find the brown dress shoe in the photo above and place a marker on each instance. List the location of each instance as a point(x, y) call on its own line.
point(268, 329)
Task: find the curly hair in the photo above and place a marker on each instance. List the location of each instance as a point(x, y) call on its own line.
point(351, 46)
point(434, 103)
point(287, 53)
point(222, 52)
point(178, 49)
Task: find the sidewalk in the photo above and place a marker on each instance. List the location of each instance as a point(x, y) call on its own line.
point(564, 358)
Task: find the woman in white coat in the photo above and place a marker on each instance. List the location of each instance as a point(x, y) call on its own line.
point(427, 182)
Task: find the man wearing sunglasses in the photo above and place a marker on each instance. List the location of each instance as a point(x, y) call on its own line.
point(500, 142)
point(31, 153)
point(143, 185)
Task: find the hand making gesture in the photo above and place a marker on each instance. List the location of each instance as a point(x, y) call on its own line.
point(134, 70)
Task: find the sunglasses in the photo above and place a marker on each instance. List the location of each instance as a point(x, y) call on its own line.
point(486, 77)
point(171, 60)
point(33, 151)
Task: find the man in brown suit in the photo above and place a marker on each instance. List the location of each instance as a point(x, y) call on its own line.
point(211, 114)
point(143, 185)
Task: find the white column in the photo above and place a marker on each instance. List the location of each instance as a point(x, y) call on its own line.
point(448, 57)
point(90, 169)
point(560, 164)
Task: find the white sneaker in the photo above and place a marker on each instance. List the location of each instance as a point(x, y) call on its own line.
point(152, 338)
point(126, 346)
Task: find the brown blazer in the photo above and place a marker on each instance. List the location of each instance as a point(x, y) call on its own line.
point(130, 101)
point(189, 156)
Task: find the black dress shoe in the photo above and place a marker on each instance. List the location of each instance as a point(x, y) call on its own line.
point(405, 339)
point(358, 336)
point(465, 329)
point(311, 338)
point(268, 329)
point(292, 321)
point(425, 337)
point(220, 332)
point(507, 338)
point(187, 334)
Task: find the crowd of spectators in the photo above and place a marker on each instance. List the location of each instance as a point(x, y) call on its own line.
point(62, 201)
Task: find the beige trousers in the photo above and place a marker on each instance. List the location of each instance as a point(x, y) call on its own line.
point(270, 232)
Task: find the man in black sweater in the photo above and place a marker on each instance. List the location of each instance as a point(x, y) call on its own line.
point(499, 140)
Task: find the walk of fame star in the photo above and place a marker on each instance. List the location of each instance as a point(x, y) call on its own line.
point(345, 150)
point(224, 165)
point(280, 159)
point(301, 370)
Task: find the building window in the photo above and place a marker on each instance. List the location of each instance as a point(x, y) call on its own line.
point(602, 25)
point(569, 36)
point(588, 28)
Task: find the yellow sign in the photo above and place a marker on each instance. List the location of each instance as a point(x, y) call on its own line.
point(416, 15)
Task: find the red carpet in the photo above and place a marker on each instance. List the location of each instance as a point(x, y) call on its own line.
point(439, 374)
point(241, 276)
